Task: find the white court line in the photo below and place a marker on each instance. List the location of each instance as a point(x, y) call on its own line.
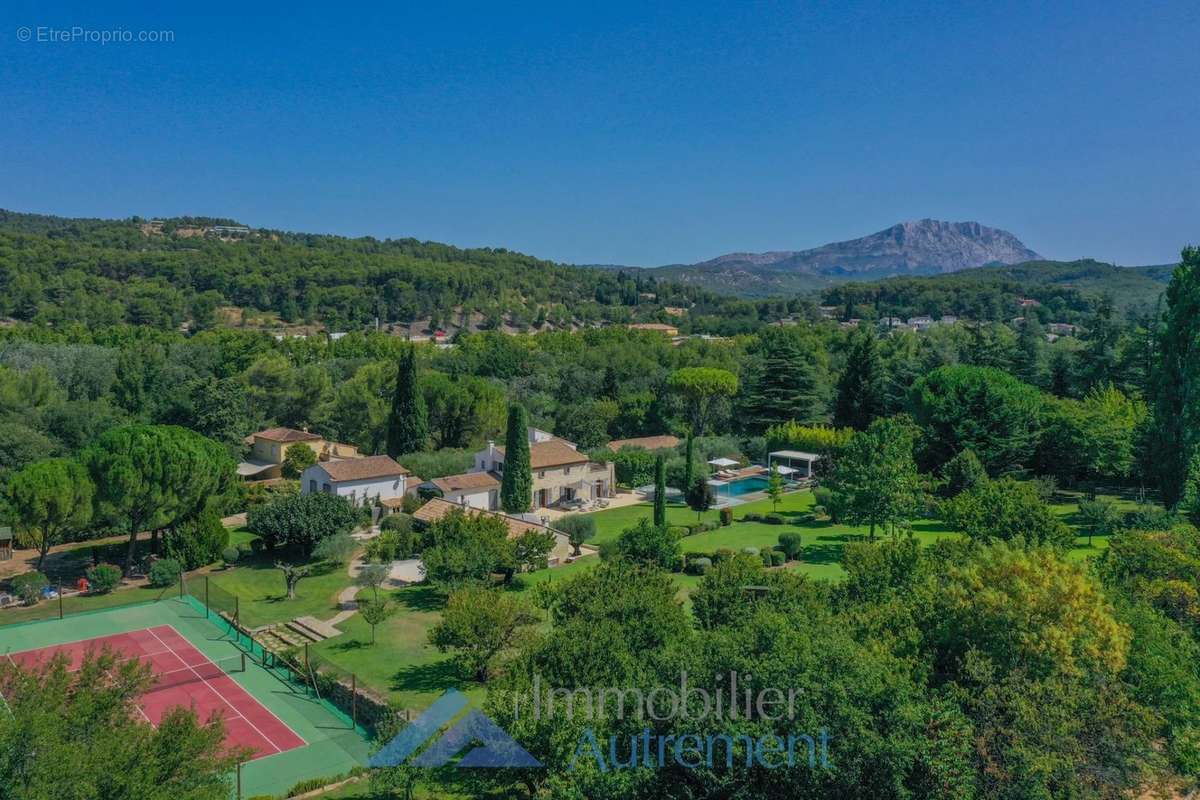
point(258, 702)
point(212, 688)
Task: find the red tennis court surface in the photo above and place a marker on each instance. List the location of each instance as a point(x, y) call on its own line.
point(185, 677)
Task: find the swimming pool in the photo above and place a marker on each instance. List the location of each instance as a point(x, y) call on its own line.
point(741, 486)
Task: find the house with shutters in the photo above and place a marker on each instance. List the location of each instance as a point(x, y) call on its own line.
point(362, 481)
point(561, 474)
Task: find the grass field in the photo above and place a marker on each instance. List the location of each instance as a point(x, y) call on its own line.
point(263, 595)
point(401, 663)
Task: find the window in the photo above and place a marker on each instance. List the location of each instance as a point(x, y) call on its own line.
point(325, 488)
point(312, 486)
point(566, 470)
point(542, 474)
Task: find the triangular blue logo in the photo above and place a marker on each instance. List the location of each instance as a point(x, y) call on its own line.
point(497, 749)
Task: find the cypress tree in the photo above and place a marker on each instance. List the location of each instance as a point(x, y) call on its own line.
point(516, 487)
point(408, 422)
point(660, 491)
point(1177, 379)
point(860, 391)
point(687, 464)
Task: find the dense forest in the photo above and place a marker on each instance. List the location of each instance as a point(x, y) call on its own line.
point(185, 273)
point(1065, 290)
point(171, 273)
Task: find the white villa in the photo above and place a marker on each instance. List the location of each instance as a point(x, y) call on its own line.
point(360, 480)
point(479, 490)
point(561, 474)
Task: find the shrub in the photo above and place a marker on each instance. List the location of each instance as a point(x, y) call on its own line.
point(750, 551)
point(1147, 517)
point(752, 517)
point(197, 541)
point(230, 555)
point(383, 547)
point(774, 519)
point(723, 554)
point(778, 558)
point(765, 555)
point(699, 566)
point(789, 543)
point(633, 466)
point(164, 572)
point(823, 496)
point(726, 516)
point(392, 545)
point(337, 549)
point(257, 546)
point(399, 522)
point(679, 531)
point(28, 586)
point(103, 578)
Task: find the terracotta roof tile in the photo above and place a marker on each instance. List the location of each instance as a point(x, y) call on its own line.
point(554, 453)
point(361, 469)
point(437, 508)
point(285, 435)
point(466, 481)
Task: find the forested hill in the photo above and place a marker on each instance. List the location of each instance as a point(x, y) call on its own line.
point(989, 292)
point(168, 273)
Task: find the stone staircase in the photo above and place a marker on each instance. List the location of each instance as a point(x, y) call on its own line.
point(295, 633)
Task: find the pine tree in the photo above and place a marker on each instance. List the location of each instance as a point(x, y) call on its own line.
point(860, 390)
point(1177, 379)
point(660, 491)
point(1061, 379)
point(785, 384)
point(516, 487)
point(1031, 345)
point(1099, 357)
point(408, 422)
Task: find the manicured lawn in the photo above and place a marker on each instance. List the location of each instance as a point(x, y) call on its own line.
point(823, 540)
point(263, 595)
point(401, 663)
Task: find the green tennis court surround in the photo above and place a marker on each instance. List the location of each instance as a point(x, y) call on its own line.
point(332, 744)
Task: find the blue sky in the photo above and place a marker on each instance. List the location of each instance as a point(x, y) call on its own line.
point(637, 133)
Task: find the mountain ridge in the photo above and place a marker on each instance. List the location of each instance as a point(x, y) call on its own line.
point(915, 247)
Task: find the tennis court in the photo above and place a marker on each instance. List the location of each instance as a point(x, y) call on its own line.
point(184, 677)
point(199, 662)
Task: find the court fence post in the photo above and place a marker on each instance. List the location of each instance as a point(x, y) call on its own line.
point(206, 597)
point(180, 584)
point(239, 781)
point(60, 601)
point(353, 700)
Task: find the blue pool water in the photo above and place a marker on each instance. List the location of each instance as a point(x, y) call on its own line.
point(743, 486)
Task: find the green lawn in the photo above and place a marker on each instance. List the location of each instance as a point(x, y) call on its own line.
point(263, 595)
point(401, 663)
point(823, 540)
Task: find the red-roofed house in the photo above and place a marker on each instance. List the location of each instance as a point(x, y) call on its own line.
point(362, 481)
point(561, 474)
